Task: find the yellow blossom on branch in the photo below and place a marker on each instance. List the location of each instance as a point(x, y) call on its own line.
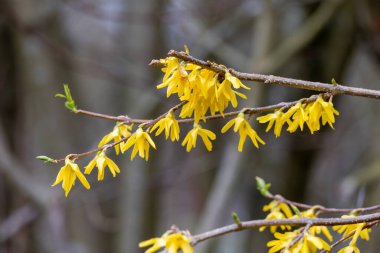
point(170, 125)
point(191, 138)
point(101, 161)
point(141, 142)
point(349, 249)
point(225, 91)
point(297, 115)
point(119, 131)
point(277, 210)
point(321, 109)
point(290, 242)
point(314, 230)
point(68, 174)
point(277, 119)
point(244, 128)
point(283, 241)
point(173, 243)
point(346, 230)
point(175, 78)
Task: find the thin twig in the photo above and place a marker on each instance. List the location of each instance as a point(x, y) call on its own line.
point(300, 236)
point(147, 124)
point(124, 119)
point(283, 222)
point(335, 89)
point(323, 209)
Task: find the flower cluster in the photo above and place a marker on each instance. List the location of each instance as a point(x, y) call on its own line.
point(297, 241)
point(172, 242)
point(356, 230)
point(204, 94)
point(313, 114)
point(308, 239)
point(203, 89)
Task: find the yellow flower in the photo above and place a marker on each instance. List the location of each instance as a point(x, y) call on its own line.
point(278, 210)
point(141, 141)
point(154, 244)
point(178, 242)
point(68, 174)
point(170, 125)
point(359, 229)
point(321, 109)
point(315, 230)
point(200, 94)
point(173, 243)
point(277, 119)
point(298, 115)
point(225, 91)
point(101, 161)
point(349, 249)
point(119, 131)
point(283, 241)
point(308, 243)
point(176, 77)
point(191, 137)
point(311, 243)
point(244, 128)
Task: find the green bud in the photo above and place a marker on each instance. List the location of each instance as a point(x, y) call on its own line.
point(45, 159)
point(296, 210)
point(69, 104)
point(236, 218)
point(263, 187)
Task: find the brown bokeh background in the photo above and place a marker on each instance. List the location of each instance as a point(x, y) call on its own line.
point(102, 50)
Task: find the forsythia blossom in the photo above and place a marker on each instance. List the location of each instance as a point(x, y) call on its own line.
point(315, 230)
point(141, 142)
point(173, 243)
point(346, 230)
point(277, 119)
point(119, 131)
point(321, 109)
point(68, 174)
point(101, 161)
point(287, 242)
point(278, 210)
point(298, 117)
point(191, 138)
point(203, 89)
point(170, 125)
point(244, 128)
point(357, 229)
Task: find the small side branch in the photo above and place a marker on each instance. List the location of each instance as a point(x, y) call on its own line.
point(283, 222)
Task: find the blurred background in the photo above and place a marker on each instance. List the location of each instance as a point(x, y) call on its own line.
point(102, 50)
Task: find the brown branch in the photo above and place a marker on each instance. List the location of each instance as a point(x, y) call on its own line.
point(248, 111)
point(323, 209)
point(125, 119)
point(282, 81)
point(147, 124)
point(280, 222)
point(299, 237)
